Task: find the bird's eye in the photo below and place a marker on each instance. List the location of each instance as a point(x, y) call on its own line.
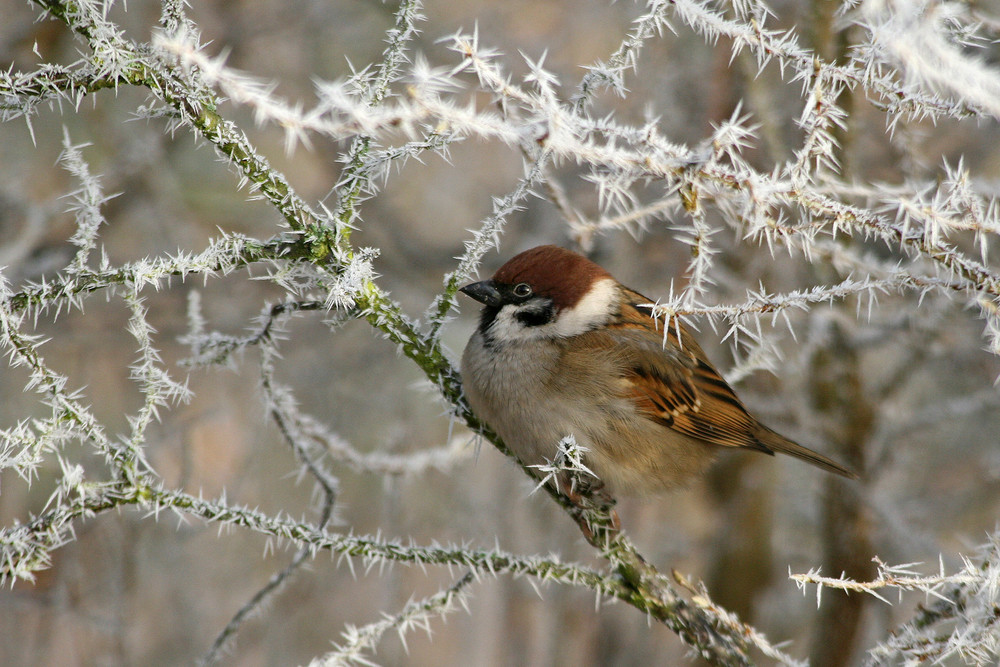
point(522, 290)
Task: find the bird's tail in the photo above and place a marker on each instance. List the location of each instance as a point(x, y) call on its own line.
point(779, 443)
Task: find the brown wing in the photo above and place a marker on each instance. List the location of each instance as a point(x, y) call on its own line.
point(676, 385)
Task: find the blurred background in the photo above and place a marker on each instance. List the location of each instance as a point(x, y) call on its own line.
point(906, 397)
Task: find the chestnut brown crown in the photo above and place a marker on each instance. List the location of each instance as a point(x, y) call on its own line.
point(557, 273)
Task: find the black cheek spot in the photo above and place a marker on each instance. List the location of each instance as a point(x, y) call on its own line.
point(533, 317)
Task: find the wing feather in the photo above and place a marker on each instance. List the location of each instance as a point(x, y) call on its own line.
point(675, 384)
point(670, 379)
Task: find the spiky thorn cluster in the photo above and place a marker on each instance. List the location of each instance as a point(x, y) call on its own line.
point(958, 619)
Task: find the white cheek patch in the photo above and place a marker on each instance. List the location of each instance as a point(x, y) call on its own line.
point(593, 310)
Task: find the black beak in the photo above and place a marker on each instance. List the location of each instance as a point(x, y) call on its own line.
point(484, 292)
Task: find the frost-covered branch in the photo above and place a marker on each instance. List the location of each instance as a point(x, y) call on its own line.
point(416, 615)
point(959, 617)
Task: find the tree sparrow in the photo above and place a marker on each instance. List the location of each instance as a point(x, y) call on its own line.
point(563, 348)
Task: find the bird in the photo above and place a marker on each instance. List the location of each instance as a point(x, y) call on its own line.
point(564, 349)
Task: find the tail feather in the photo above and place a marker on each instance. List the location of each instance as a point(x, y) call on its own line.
point(775, 442)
